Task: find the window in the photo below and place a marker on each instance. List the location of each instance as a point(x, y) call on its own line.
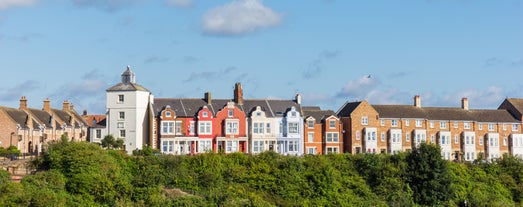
point(491, 142)
point(293, 128)
point(232, 146)
point(168, 114)
point(442, 125)
point(394, 122)
point(281, 128)
point(358, 135)
point(456, 139)
point(168, 146)
point(258, 146)
point(231, 127)
point(167, 127)
point(514, 127)
point(382, 122)
point(491, 127)
point(122, 133)
point(191, 127)
point(332, 124)
point(120, 125)
point(178, 127)
point(432, 139)
point(293, 146)
point(230, 113)
point(480, 126)
point(258, 113)
point(407, 137)
point(505, 127)
point(310, 137)
point(98, 133)
point(407, 122)
point(456, 124)
point(121, 115)
point(310, 124)
point(311, 150)
point(431, 124)
point(293, 114)
point(505, 141)
point(205, 114)
point(466, 125)
point(333, 150)
point(332, 137)
point(442, 139)
point(480, 140)
point(121, 98)
point(204, 146)
point(204, 127)
point(268, 128)
point(418, 122)
point(364, 120)
point(383, 137)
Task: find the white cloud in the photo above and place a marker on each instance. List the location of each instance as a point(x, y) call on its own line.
point(6, 4)
point(179, 3)
point(490, 97)
point(358, 88)
point(239, 17)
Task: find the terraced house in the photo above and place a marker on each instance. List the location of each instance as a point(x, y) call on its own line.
point(462, 133)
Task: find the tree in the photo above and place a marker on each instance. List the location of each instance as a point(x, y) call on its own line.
point(109, 142)
point(428, 175)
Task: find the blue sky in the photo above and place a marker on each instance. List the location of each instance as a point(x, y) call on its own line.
point(330, 51)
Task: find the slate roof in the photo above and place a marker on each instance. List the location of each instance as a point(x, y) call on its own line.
point(499, 115)
point(399, 111)
point(62, 115)
point(188, 107)
point(19, 116)
point(127, 87)
point(317, 113)
point(43, 116)
point(347, 109)
point(445, 113)
point(517, 103)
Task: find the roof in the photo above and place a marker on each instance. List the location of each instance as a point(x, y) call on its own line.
point(127, 87)
point(42, 116)
point(17, 115)
point(498, 115)
point(318, 115)
point(347, 109)
point(399, 111)
point(189, 107)
point(446, 113)
point(62, 115)
point(96, 118)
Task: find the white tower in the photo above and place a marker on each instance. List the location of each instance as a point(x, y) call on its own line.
point(128, 112)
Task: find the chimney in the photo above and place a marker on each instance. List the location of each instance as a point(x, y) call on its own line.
point(71, 107)
point(47, 105)
point(208, 98)
point(417, 101)
point(66, 105)
point(465, 103)
point(84, 113)
point(238, 94)
point(298, 98)
point(23, 103)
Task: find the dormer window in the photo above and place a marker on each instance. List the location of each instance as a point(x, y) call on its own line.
point(230, 113)
point(310, 124)
point(332, 124)
point(258, 113)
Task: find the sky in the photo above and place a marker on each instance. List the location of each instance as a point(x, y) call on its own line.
point(329, 51)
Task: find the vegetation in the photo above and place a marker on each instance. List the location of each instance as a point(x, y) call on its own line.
point(83, 174)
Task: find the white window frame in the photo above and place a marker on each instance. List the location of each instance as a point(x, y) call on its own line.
point(293, 146)
point(504, 127)
point(442, 124)
point(456, 139)
point(383, 137)
point(332, 150)
point(311, 150)
point(407, 122)
point(258, 146)
point(431, 124)
point(407, 137)
point(99, 133)
point(466, 124)
point(419, 123)
point(310, 123)
point(364, 120)
point(358, 135)
point(178, 127)
point(167, 146)
point(293, 128)
point(310, 137)
point(456, 124)
point(331, 137)
point(231, 146)
point(191, 127)
point(230, 113)
point(121, 115)
point(480, 126)
point(168, 114)
point(120, 125)
point(204, 146)
point(394, 122)
point(122, 133)
point(491, 127)
point(167, 127)
point(382, 121)
point(232, 127)
point(332, 124)
point(121, 98)
point(205, 127)
point(514, 127)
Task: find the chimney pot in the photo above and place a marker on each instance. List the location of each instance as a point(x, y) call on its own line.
point(23, 103)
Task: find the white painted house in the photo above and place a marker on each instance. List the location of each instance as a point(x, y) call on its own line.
point(128, 112)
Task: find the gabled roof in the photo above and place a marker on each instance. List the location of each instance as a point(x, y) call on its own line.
point(399, 111)
point(127, 87)
point(42, 116)
point(62, 115)
point(317, 113)
point(347, 109)
point(250, 105)
point(280, 107)
point(447, 113)
point(18, 116)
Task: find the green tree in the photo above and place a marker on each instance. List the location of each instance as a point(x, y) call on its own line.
point(428, 175)
point(109, 142)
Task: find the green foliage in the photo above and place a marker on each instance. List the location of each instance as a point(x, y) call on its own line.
point(109, 142)
point(83, 174)
point(10, 152)
point(146, 151)
point(428, 175)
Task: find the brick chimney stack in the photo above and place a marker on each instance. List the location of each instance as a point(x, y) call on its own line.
point(65, 105)
point(23, 103)
point(238, 94)
point(298, 98)
point(465, 103)
point(208, 98)
point(417, 101)
point(47, 105)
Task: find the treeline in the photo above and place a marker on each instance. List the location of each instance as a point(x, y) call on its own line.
point(83, 174)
